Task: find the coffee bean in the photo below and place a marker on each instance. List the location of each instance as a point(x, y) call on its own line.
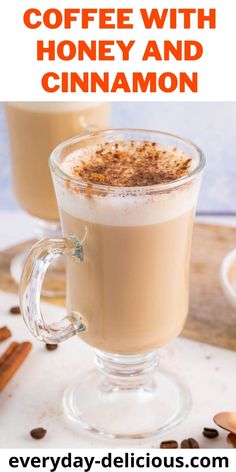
point(15, 310)
point(38, 433)
point(51, 347)
point(210, 433)
point(189, 443)
point(169, 445)
point(231, 439)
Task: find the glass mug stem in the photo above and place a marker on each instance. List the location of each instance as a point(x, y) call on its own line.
point(42, 255)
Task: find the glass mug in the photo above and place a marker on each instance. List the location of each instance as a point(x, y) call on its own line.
point(35, 129)
point(127, 255)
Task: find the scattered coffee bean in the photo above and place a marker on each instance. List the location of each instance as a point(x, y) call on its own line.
point(51, 347)
point(210, 433)
point(15, 310)
point(231, 439)
point(169, 445)
point(189, 443)
point(38, 433)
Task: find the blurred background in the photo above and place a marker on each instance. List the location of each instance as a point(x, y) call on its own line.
point(210, 125)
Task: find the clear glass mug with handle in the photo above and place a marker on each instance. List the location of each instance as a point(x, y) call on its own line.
point(127, 253)
point(34, 129)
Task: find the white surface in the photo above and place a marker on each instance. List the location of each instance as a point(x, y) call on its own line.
point(33, 397)
point(15, 228)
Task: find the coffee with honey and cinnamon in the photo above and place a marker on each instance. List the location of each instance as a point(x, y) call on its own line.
point(135, 228)
point(35, 128)
point(129, 164)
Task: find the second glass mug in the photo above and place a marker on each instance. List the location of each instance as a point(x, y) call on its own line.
point(127, 254)
point(35, 129)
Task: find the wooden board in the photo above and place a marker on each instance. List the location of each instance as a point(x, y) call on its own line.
point(211, 318)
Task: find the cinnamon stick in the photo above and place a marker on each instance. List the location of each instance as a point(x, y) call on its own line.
point(8, 352)
point(15, 357)
point(5, 333)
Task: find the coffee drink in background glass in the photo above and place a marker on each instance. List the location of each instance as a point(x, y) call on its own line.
point(35, 128)
point(127, 200)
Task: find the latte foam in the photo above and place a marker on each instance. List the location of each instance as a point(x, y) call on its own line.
point(126, 206)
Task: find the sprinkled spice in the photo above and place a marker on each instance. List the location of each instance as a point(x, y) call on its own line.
point(130, 164)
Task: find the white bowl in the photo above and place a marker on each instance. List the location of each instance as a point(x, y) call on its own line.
point(230, 292)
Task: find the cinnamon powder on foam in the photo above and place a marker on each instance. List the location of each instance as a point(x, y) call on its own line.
point(129, 164)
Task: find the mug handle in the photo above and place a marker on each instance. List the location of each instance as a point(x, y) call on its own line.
point(41, 256)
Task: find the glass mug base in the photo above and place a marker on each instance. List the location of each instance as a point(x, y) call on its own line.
point(127, 397)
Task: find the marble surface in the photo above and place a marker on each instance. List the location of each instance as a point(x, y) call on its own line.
point(210, 125)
